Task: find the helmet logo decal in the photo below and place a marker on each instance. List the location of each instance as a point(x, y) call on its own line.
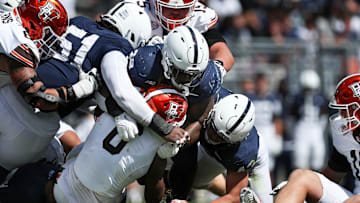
point(174, 111)
point(48, 12)
point(356, 89)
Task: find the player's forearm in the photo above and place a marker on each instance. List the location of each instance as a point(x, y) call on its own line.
point(353, 199)
point(33, 90)
point(220, 51)
point(194, 131)
point(114, 72)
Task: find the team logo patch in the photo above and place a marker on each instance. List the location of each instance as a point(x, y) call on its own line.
point(48, 12)
point(356, 89)
point(174, 111)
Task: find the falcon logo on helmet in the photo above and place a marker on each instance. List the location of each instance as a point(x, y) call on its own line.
point(48, 12)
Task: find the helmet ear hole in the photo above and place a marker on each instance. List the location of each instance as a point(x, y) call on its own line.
point(132, 38)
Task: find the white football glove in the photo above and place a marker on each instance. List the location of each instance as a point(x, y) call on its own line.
point(168, 150)
point(86, 85)
point(155, 40)
point(126, 127)
point(223, 71)
point(247, 195)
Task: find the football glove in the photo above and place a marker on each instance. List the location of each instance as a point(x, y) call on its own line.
point(168, 150)
point(86, 85)
point(247, 195)
point(126, 127)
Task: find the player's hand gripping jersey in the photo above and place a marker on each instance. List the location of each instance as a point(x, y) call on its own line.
point(106, 164)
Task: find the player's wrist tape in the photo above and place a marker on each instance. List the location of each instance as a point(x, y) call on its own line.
point(160, 126)
point(38, 94)
point(69, 96)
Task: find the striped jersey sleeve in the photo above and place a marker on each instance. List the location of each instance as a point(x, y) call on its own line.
point(24, 55)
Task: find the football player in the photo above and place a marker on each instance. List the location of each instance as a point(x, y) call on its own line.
point(230, 143)
point(99, 169)
point(183, 62)
point(25, 33)
point(166, 15)
point(310, 111)
point(106, 46)
point(324, 187)
point(269, 120)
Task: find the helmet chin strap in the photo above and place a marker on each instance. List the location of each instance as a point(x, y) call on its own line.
point(183, 89)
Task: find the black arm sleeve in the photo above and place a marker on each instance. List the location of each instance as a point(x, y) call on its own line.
point(338, 162)
point(212, 36)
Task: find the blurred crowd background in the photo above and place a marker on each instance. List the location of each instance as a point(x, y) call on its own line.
point(289, 56)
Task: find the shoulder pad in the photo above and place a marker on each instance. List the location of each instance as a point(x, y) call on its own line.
point(12, 36)
point(204, 18)
point(145, 66)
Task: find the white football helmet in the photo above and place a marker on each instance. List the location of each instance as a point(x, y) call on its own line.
point(8, 5)
point(131, 22)
point(173, 13)
point(185, 57)
point(310, 79)
point(232, 118)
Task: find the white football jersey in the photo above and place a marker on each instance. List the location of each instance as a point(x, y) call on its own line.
point(24, 134)
point(348, 147)
point(203, 17)
point(14, 35)
point(106, 165)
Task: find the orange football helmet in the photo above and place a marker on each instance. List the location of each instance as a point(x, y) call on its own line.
point(347, 101)
point(45, 22)
point(168, 103)
point(173, 13)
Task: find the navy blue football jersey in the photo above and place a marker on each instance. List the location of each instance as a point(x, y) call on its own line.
point(146, 70)
point(84, 46)
point(238, 156)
